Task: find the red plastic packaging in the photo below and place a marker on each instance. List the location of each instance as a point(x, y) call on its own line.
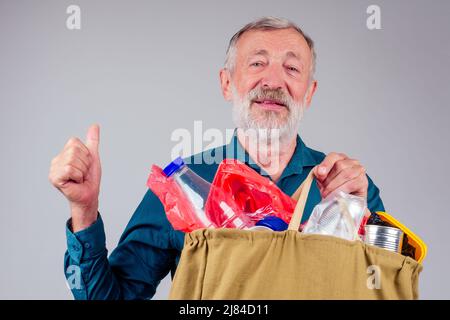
point(179, 209)
point(255, 195)
point(236, 184)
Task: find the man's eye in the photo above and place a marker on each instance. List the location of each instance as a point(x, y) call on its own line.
point(256, 64)
point(294, 69)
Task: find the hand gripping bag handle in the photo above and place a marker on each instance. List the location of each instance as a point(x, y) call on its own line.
point(301, 195)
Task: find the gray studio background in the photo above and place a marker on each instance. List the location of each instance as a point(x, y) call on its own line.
point(145, 68)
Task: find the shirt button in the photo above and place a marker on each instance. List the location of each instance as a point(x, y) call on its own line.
point(87, 245)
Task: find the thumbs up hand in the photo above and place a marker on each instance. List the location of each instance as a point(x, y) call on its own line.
point(76, 172)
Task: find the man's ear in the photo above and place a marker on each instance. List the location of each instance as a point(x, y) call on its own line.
point(225, 84)
point(310, 92)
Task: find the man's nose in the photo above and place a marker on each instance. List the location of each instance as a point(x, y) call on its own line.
point(273, 78)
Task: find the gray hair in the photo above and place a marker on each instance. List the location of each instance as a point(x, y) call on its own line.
point(267, 23)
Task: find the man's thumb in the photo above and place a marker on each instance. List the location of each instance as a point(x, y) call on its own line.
point(93, 138)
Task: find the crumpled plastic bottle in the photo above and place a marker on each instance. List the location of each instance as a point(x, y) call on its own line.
point(340, 215)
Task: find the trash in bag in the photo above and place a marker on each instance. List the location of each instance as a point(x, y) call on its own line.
point(254, 194)
point(237, 198)
point(187, 201)
point(407, 248)
point(340, 215)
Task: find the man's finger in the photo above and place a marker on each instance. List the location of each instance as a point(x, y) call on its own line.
point(356, 186)
point(93, 139)
point(338, 167)
point(75, 143)
point(322, 170)
point(343, 177)
point(69, 173)
point(79, 163)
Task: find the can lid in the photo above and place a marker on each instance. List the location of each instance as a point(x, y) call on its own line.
point(272, 222)
point(174, 166)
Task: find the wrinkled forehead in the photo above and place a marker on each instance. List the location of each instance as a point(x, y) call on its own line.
point(277, 43)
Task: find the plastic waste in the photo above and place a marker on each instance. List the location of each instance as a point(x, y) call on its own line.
point(187, 201)
point(340, 215)
point(237, 198)
point(272, 223)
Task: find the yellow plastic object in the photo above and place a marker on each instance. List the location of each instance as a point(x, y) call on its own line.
point(414, 240)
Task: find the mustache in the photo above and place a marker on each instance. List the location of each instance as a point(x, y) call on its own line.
point(276, 95)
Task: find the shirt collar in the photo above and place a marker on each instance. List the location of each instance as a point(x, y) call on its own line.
point(301, 158)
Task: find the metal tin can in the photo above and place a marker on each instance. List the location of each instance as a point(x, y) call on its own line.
point(385, 237)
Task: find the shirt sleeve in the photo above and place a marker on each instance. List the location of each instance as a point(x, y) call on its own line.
point(143, 257)
point(374, 202)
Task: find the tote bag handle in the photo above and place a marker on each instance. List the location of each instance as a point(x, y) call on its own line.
point(301, 195)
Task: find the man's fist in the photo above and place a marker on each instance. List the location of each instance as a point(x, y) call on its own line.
point(76, 172)
point(339, 172)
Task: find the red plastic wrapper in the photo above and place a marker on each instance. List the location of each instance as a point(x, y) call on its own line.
point(182, 214)
point(362, 231)
point(241, 188)
point(255, 195)
point(179, 209)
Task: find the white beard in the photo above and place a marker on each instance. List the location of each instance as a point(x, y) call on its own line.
point(265, 125)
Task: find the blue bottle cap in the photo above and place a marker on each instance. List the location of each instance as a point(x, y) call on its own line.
point(272, 222)
point(174, 166)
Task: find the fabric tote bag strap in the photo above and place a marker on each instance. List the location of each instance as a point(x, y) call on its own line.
point(301, 195)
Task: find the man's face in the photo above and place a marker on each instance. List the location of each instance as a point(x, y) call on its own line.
point(269, 84)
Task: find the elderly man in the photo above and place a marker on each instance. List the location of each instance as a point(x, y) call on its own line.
point(268, 75)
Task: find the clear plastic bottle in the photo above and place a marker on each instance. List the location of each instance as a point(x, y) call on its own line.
point(197, 191)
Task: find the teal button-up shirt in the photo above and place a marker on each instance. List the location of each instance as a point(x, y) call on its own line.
point(150, 248)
